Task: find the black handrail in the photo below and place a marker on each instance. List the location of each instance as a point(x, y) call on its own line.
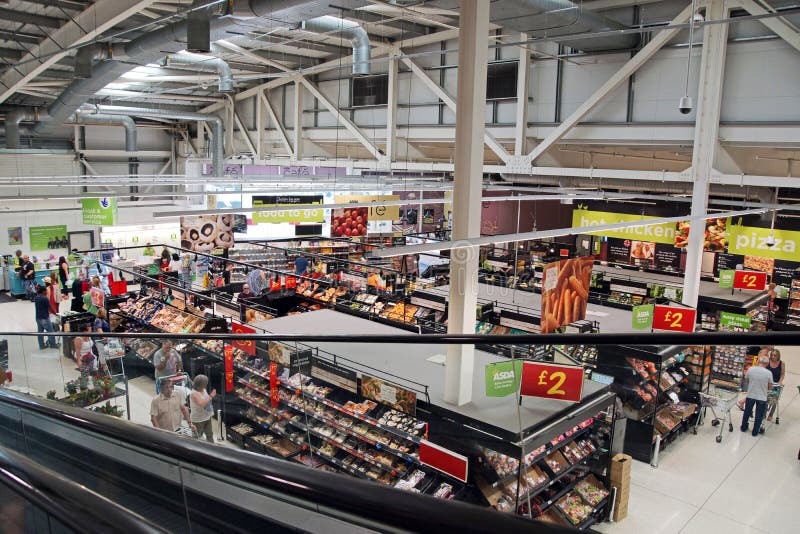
point(72, 504)
point(375, 504)
point(629, 338)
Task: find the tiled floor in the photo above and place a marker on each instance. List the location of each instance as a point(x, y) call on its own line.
point(743, 484)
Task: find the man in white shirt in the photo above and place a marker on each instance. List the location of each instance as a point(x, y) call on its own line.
point(759, 382)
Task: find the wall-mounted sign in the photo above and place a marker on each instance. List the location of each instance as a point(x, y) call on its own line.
point(48, 237)
point(375, 213)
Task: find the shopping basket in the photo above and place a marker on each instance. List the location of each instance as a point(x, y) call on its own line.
point(720, 401)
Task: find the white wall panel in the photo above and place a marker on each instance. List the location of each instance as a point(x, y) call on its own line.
point(660, 85)
point(581, 81)
point(542, 90)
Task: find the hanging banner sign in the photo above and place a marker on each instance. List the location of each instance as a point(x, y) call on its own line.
point(565, 292)
point(726, 278)
point(642, 317)
point(763, 242)
point(376, 213)
point(552, 381)
point(248, 346)
point(228, 351)
point(441, 459)
point(752, 280)
point(674, 318)
point(503, 378)
point(99, 211)
point(274, 393)
point(656, 233)
point(289, 215)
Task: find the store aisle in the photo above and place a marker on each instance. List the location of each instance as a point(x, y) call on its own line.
point(742, 485)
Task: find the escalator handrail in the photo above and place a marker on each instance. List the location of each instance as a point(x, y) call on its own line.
point(363, 499)
point(74, 505)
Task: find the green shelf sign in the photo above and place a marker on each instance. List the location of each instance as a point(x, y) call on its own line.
point(726, 278)
point(734, 320)
point(500, 378)
point(642, 316)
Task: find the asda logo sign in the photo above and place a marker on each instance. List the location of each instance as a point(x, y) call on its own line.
point(503, 378)
point(753, 241)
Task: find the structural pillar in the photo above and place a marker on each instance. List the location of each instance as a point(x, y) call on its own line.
point(706, 135)
point(470, 125)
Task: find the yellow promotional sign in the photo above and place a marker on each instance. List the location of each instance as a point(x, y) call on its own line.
point(762, 242)
point(376, 213)
point(655, 233)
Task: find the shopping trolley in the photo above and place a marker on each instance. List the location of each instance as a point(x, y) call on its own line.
point(773, 406)
point(718, 400)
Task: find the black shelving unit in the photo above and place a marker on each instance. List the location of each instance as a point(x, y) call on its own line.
point(651, 381)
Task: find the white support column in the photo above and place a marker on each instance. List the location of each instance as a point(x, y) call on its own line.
point(659, 40)
point(391, 110)
point(298, 120)
point(706, 135)
point(470, 125)
point(523, 81)
point(277, 122)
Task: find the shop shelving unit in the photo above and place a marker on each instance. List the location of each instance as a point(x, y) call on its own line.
point(659, 401)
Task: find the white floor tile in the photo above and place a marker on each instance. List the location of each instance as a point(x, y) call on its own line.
point(652, 512)
point(704, 522)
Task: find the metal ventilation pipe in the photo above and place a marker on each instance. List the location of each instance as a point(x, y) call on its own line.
point(356, 34)
point(13, 120)
point(226, 83)
point(217, 128)
point(128, 123)
point(85, 57)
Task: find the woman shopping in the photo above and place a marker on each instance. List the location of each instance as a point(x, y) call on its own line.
point(201, 407)
point(778, 369)
point(84, 352)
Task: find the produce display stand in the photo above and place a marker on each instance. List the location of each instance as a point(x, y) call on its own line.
point(484, 430)
point(659, 402)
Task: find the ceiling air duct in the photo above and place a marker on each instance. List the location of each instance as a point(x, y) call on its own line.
point(350, 30)
point(226, 83)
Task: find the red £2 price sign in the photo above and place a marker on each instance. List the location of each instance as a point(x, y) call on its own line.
point(248, 346)
point(753, 280)
point(674, 318)
point(552, 381)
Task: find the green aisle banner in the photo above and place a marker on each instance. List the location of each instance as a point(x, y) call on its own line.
point(99, 211)
point(500, 378)
point(290, 214)
point(642, 316)
point(48, 237)
point(734, 320)
point(763, 242)
point(656, 233)
point(726, 278)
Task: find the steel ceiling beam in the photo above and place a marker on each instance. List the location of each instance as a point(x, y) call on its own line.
point(73, 5)
point(98, 18)
point(20, 37)
point(30, 18)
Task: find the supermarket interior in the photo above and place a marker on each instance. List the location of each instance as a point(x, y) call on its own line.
point(293, 266)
